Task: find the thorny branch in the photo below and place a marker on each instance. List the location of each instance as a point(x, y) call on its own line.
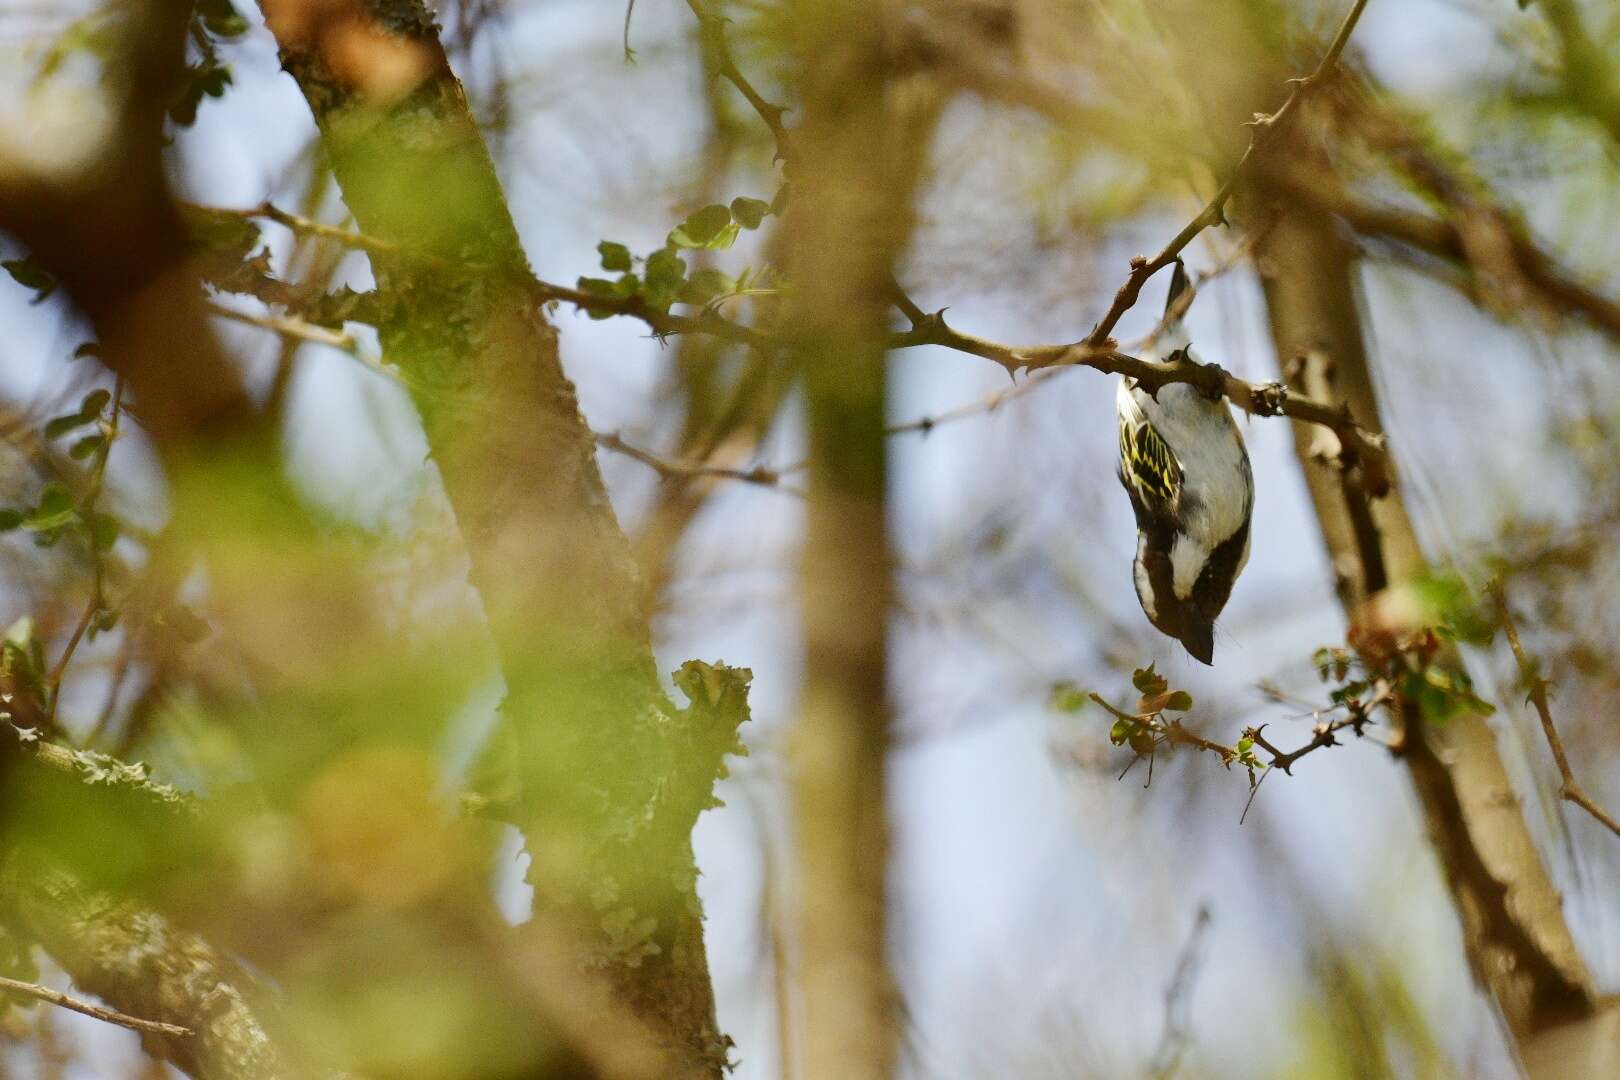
point(1263, 128)
point(1163, 731)
point(1569, 790)
point(713, 29)
point(1258, 399)
point(111, 1016)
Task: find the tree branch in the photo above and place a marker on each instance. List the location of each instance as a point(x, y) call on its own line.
point(713, 27)
point(1263, 128)
point(761, 475)
point(1569, 790)
point(111, 1016)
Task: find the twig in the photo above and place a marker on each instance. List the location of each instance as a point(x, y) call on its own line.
point(761, 475)
point(87, 509)
point(291, 326)
point(310, 227)
point(111, 1016)
point(301, 330)
point(1178, 1000)
point(919, 319)
point(1444, 240)
point(713, 28)
point(1322, 734)
point(1268, 399)
point(1569, 790)
point(1263, 127)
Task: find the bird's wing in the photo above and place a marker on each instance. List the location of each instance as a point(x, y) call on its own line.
point(1147, 466)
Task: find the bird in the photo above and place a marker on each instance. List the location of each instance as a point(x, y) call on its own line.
point(1183, 464)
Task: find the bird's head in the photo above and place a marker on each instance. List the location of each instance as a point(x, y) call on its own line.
point(1183, 619)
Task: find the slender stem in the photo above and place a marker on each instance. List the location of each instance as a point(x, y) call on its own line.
point(1569, 790)
point(289, 326)
point(111, 1016)
point(87, 508)
point(759, 474)
point(713, 27)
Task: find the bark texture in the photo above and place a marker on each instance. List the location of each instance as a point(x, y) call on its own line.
point(614, 777)
point(145, 966)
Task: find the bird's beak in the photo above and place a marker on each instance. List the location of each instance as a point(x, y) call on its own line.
point(1178, 285)
point(1199, 641)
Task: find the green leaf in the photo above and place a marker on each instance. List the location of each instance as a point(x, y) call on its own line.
point(725, 238)
point(1120, 732)
point(87, 446)
point(705, 285)
point(1180, 701)
point(703, 228)
point(614, 256)
point(749, 213)
point(30, 275)
point(1437, 705)
point(96, 400)
point(9, 518)
point(1067, 698)
point(665, 275)
point(55, 509)
point(1148, 681)
point(598, 287)
point(57, 426)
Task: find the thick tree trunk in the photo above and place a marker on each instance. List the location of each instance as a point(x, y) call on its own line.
point(855, 163)
point(1518, 943)
point(610, 788)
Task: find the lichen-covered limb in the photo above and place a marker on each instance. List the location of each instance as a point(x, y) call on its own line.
point(141, 964)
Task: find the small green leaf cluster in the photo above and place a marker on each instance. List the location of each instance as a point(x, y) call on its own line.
point(1245, 755)
point(54, 512)
point(1407, 664)
point(1145, 728)
point(1452, 608)
point(1066, 697)
point(1441, 694)
point(213, 21)
point(663, 278)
